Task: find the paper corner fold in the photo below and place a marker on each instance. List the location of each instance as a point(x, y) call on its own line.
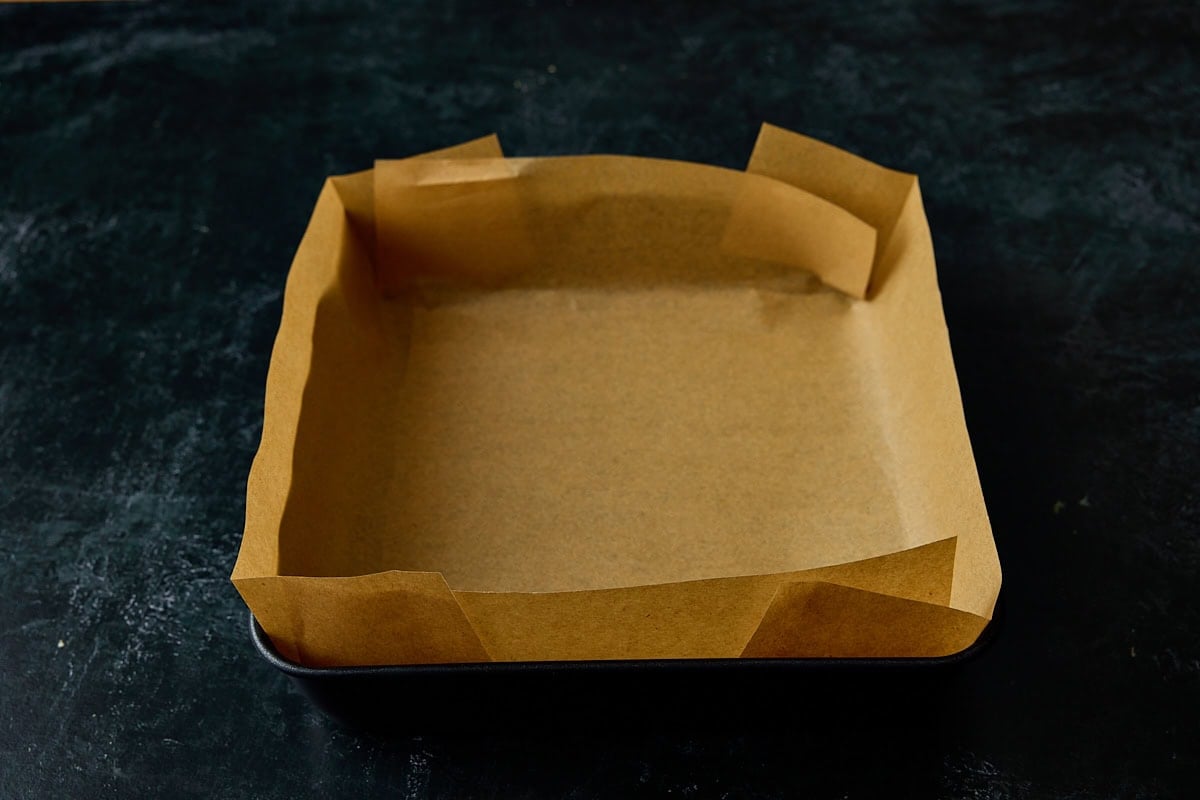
point(875, 194)
point(383, 618)
point(811, 619)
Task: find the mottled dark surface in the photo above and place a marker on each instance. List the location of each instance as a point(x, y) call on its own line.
point(158, 162)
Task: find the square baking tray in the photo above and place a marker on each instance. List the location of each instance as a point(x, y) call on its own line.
point(612, 410)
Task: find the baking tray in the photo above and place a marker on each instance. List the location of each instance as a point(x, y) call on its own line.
point(690, 413)
point(692, 693)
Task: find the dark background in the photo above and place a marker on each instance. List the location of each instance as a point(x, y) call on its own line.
point(158, 162)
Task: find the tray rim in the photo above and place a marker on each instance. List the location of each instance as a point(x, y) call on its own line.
point(266, 650)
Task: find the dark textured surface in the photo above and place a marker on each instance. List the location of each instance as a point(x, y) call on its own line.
point(157, 166)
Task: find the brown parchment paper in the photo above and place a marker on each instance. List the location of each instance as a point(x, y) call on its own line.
point(607, 407)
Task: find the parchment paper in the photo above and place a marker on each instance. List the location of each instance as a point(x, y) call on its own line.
point(614, 407)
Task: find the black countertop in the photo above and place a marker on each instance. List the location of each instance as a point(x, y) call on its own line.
point(158, 162)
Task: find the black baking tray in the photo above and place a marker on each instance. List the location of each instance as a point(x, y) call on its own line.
point(690, 692)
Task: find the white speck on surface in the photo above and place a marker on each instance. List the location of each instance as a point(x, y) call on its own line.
point(17, 231)
point(61, 644)
point(417, 782)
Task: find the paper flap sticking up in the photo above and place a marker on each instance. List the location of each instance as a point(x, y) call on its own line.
point(870, 192)
point(357, 190)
